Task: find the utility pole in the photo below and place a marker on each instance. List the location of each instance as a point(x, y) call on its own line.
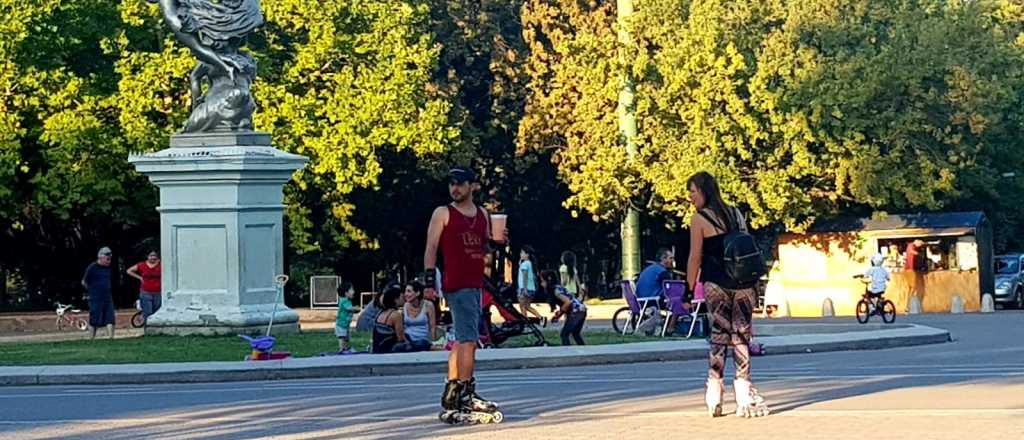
point(630, 227)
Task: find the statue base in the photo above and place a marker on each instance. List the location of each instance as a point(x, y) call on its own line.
point(221, 233)
point(222, 330)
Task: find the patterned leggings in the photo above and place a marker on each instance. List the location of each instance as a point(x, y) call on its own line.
point(730, 312)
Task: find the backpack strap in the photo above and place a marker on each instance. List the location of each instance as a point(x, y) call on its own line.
point(741, 222)
point(714, 222)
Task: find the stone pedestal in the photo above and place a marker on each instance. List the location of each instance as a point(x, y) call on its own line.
point(221, 232)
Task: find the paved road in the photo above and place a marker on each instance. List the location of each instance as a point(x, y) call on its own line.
point(971, 388)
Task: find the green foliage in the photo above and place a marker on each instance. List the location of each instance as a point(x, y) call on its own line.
point(800, 108)
point(63, 175)
point(573, 92)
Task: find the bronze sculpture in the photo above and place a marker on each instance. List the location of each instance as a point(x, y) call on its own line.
point(215, 30)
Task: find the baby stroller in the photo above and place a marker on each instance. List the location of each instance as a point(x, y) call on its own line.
point(493, 335)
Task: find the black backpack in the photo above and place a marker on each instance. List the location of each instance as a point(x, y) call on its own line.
point(742, 260)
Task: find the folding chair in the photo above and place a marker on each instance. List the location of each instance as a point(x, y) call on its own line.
point(637, 306)
point(698, 300)
point(674, 292)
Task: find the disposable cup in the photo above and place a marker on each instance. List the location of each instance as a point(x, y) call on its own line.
point(498, 224)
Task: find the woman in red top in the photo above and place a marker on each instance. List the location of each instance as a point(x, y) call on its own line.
point(148, 272)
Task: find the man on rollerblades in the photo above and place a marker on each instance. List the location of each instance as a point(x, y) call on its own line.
point(461, 230)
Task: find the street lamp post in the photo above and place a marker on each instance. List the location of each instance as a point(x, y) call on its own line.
point(630, 227)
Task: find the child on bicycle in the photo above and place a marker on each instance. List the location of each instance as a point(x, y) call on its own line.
point(877, 279)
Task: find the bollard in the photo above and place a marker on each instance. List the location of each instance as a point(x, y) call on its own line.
point(957, 306)
point(782, 309)
point(827, 311)
point(915, 305)
point(988, 303)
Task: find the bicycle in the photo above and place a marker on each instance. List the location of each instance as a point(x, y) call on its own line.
point(68, 317)
point(869, 306)
point(625, 322)
point(623, 318)
point(138, 319)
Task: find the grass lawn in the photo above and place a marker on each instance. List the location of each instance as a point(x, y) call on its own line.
point(215, 348)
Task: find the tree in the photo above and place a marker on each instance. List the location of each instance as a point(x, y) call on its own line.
point(480, 65)
point(64, 183)
point(571, 104)
point(800, 108)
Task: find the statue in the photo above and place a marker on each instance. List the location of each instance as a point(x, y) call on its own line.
point(214, 30)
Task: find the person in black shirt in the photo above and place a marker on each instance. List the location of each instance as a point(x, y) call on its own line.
point(730, 306)
point(101, 301)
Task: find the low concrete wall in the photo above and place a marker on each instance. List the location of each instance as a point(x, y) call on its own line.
point(46, 322)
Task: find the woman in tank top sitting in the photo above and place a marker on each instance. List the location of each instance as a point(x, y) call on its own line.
point(418, 318)
point(389, 327)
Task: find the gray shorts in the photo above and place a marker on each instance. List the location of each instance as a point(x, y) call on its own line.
point(465, 307)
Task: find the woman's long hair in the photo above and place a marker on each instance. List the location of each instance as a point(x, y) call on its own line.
point(389, 298)
point(708, 186)
point(569, 260)
point(551, 283)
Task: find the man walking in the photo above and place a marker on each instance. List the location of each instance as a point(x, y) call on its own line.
point(101, 301)
point(461, 230)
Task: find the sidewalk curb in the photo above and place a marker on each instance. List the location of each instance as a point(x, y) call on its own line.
point(435, 362)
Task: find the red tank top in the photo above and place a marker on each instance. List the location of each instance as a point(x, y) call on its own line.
point(462, 248)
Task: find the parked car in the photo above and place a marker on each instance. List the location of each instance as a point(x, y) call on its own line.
point(1010, 280)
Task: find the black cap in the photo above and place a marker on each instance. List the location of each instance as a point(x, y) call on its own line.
point(461, 175)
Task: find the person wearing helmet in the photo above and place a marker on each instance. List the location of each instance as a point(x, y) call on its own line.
point(877, 278)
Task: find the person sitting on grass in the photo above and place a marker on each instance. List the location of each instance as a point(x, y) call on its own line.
point(345, 310)
point(389, 327)
point(418, 317)
point(567, 304)
point(365, 321)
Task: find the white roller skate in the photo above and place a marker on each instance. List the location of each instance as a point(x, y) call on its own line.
point(748, 402)
point(714, 390)
point(460, 408)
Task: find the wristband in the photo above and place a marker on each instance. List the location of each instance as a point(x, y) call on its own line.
point(430, 278)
